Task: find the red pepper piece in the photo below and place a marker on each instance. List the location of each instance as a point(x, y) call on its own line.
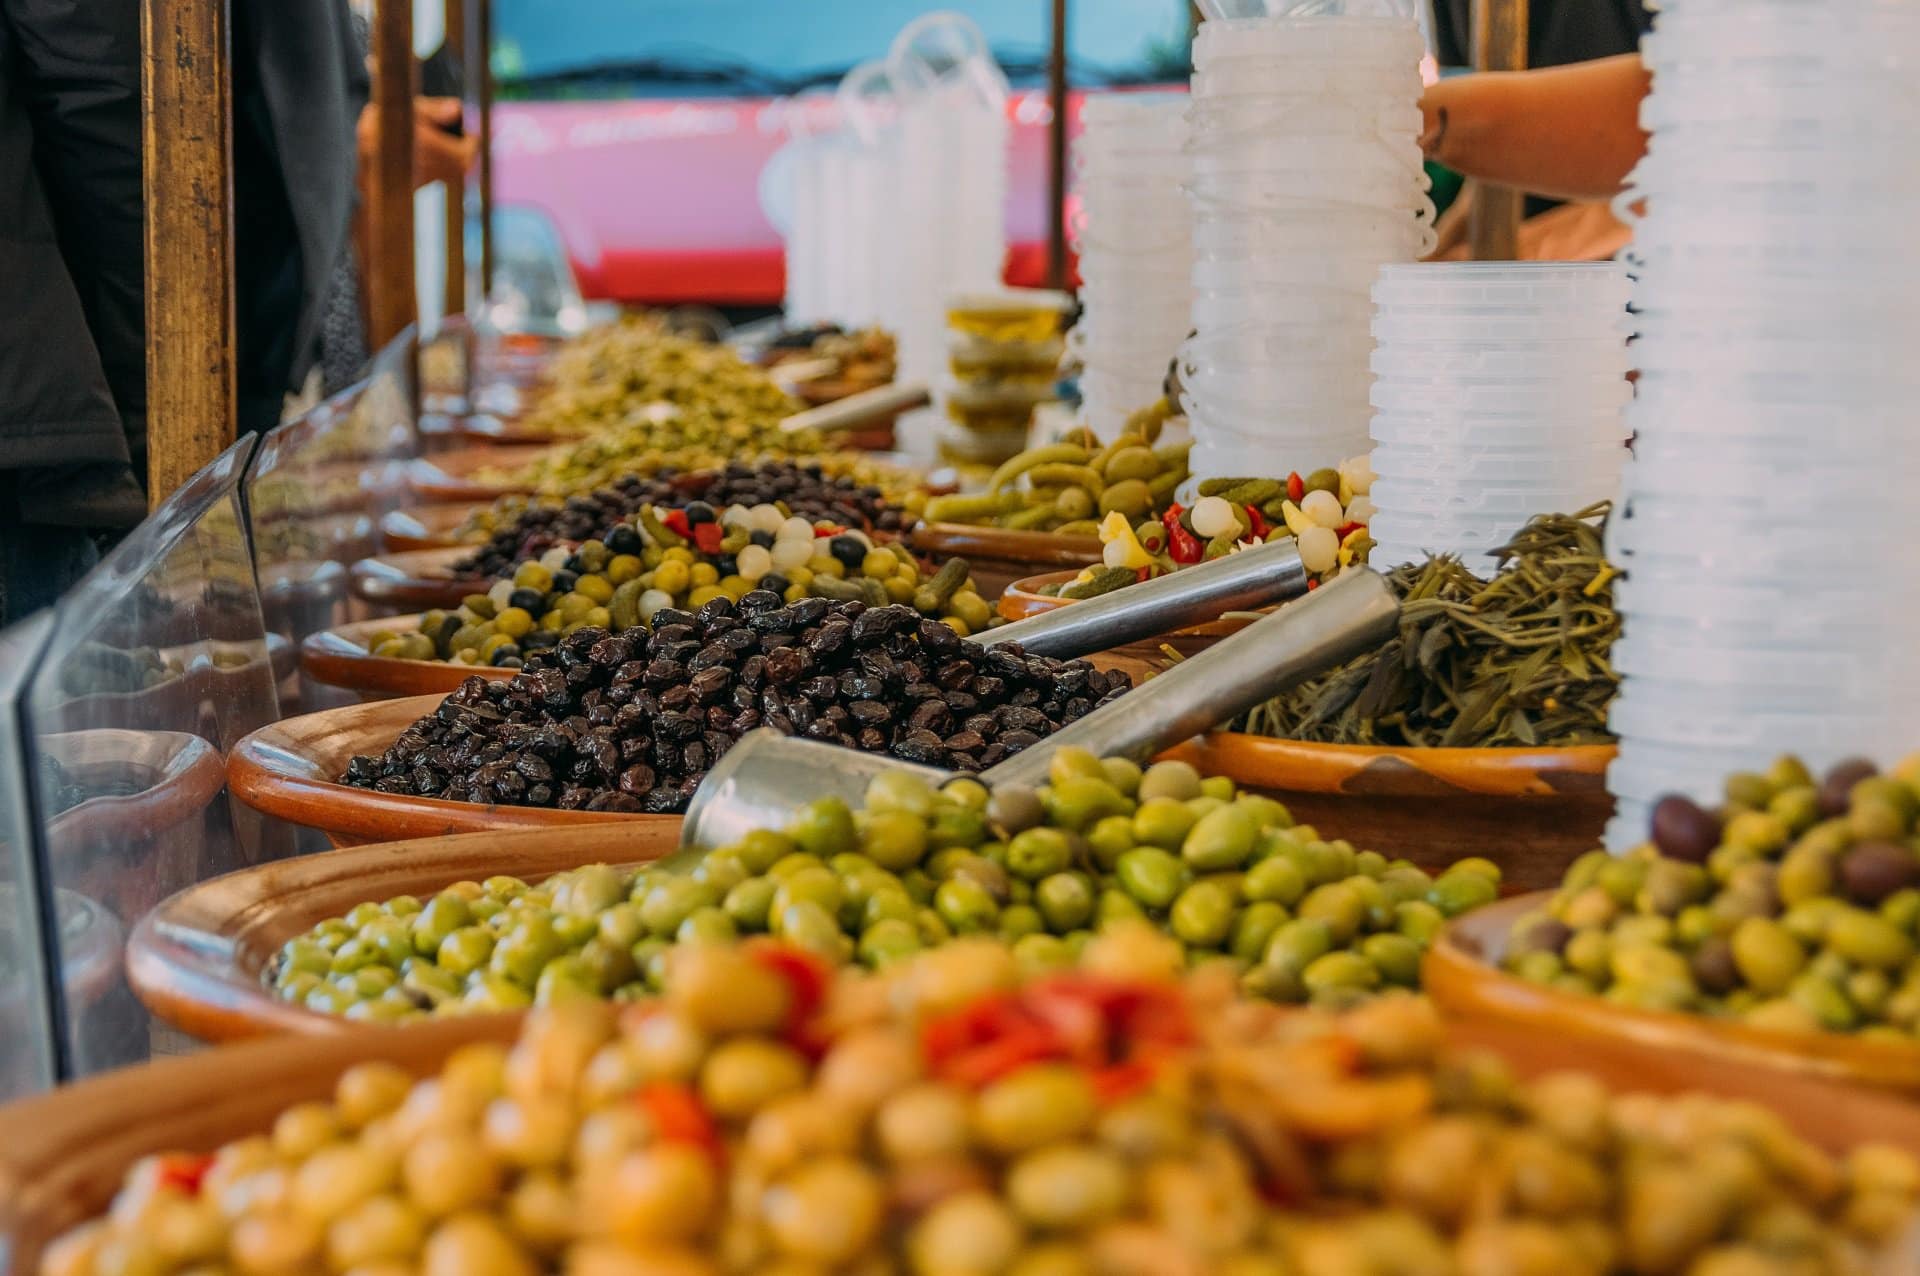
point(1183, 545)
point(1347, 529)
point(1120, 1081)
point(807, 977)
point(1312, 585)
point(829, 529)
point(678, 1116)
point(707, 536)
point(676, 520)
point(1259, 522)
point(1296, 487)
point(1008, 1053)
point(184, 1172)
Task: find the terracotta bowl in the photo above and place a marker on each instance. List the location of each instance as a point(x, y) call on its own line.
point(415, 578)
point(449, 476)
point(999, 557)
point(197, 960)
point(428, 527)
point(1023, 599)
point(63, 1155)
point(1531, 811)
point(287, 770)
point(1462, 974)
point(339, 658)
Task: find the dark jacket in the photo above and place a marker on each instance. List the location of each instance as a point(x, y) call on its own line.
point(1558, 31)
point(70, 127)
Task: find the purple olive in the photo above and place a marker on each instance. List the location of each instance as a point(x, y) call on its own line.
point(1683, 830)
point(1839, 783)
point(1872, 871)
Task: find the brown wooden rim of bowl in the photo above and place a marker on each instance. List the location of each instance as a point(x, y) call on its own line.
point(339, 657)
point(415, 578)
point(1023, 599)
point(426, 527)
point(1304, 767)
point(196, 960)
point(999, 544)
point(1461, 974)
point(285, 770)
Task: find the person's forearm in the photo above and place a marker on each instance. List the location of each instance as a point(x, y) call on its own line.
point(1570, 132)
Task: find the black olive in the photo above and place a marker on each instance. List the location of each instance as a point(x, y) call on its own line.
point(761, 537)
point(625, 540)
point(775, 583)
point(565, 580)
point(700, 512)
point(850, 550)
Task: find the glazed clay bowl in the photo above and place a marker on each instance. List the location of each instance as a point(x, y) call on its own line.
point(339, 657)
point(1462, 974)
point(64, 1154)
point(415, 579)
point(198, 960)
point(428, 527)
point(453, 476)
point(289, 770)
point(999, 557)
point(1023, 599)
point(1531, 811)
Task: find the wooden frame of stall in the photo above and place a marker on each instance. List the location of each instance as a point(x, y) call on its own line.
point(187, 114)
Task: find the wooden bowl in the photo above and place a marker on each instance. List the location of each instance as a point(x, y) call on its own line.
point(449, 476)
point(428, 527)
point(197, 960)
point(1000, 557)
point(287, 770)
point(1023, 599)
point(64, 1154)
point(1531, 811)
point(339, 658)
point(1462, 974)
point(415, 579)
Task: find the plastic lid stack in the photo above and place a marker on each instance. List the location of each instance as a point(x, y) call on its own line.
point(1306, 177)
point(1499, 391)
point(1134, 235)
point(1769, 516)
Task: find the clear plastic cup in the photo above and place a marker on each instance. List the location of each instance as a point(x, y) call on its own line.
point(1583, 287)
point(1563, 359)
point(1734, 727)
point(1591, 395)
point(1745, 669)
point(1307, 39)
point(1247, 406)
point(1285, 109)
point(1585, 465)
point(1499, 436)
point(1695, 596)
point(1325, 193)
point(1675, 343)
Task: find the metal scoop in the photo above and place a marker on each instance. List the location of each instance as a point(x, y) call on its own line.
point(860, 409)
point(765, 777)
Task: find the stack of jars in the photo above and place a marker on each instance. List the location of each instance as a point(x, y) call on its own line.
point(1003, 357)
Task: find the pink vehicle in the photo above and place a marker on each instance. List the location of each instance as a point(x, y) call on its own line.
point(637, 129)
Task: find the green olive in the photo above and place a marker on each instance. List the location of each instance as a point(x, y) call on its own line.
point(1203, 914)
point(1152, 876)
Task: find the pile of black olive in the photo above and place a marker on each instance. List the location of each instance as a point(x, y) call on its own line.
point(632, 721)
point(805, 491)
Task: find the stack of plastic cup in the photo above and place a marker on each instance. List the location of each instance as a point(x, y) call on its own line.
point(1305, 179)
point(1768, 515)
point(1499, 390)
point(1135, 240)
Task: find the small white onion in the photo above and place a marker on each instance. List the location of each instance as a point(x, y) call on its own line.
point(767, 518)
point(1319, 549)
point(753, 562)
point(1361, 510)
point(651, 601)
point(789, 554)
point(795, 528)
point(1323, 508)
point(1213, 516)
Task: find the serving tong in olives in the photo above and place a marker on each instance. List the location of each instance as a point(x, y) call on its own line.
point(766, 775)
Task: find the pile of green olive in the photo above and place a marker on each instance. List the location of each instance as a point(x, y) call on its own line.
point(1227, 874)
point(1795, 906)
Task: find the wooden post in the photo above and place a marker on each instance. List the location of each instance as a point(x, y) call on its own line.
point(1499, 44)
point(390, 289)
point(187, 146)
point(480, 62)
point(1057, 150)
point(455, 44)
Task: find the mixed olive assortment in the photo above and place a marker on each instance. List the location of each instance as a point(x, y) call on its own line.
point(683, 559)
point(1069, 487)
point(1225, 874)
point(631, 722)
point(518, 529)
point(1795, 906)
point(952, 1118)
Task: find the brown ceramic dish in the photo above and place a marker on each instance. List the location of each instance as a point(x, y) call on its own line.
point(197, 959)
point(415, 579)
point(339, 658)
point(63, 1155)
point(288, 770)
point(1531, 811)
point(428, 527)
point(1023, 599)
point(1462, 973)
point(1000, 557)
point(449, 477)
